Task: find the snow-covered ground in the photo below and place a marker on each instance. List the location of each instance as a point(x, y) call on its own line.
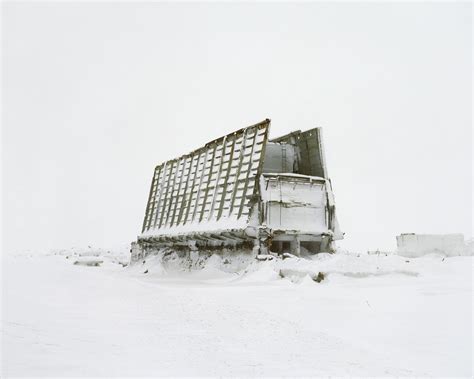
point(82, 313)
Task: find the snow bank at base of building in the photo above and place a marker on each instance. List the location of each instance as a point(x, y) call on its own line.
point(242, 267)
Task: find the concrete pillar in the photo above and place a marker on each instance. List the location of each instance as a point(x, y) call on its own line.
point(296, 246)
point(280, 246)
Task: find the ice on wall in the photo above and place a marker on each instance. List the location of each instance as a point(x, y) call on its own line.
point(296, 205)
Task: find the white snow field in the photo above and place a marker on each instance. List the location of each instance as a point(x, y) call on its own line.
point(372, 315)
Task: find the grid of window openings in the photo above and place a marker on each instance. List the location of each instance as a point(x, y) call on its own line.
point(208, 184)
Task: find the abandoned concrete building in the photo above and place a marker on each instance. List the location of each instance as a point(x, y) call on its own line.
point(243, 191)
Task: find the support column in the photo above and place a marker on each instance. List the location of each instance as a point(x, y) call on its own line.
point(296, 246)
point(261, 241)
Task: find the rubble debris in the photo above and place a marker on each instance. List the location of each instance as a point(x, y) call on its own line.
point(88, 262)
point(319, 278)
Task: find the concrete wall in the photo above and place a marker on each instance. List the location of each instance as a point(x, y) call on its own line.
point(416, 245)
point(279, 158)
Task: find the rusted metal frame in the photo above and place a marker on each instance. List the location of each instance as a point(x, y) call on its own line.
point(218, 237)
point(244, 193)
point(160, 194)
point(287, 137)
point(155, 195)
point(256, 187)
point(160, 204)
point(172, 199)
point(322, 153)
point(313, 151)
point(183, 201)
point(185, 160)
point(200, 184)
point(206, 191)
point(197, 237)
point(165, 200)
point(188, 207)
point(150, 195)
point(178, 186)
point(242, 130)
point(311, 171)
point(195, 189)
point(169, 238)
point(219, 173)
point(233, 236)
point(172, 239)
point(226, 180)
point(151, 202)
point(233, 240)
point(213, 237)
point(239, 166)
point(169, 193)
point(181, 238)
point(210, 205)
point(239, 171)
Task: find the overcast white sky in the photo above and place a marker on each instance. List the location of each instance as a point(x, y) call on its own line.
point(95, 95)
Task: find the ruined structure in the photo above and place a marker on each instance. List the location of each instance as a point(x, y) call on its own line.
point(416, 245)
point(243, 191)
